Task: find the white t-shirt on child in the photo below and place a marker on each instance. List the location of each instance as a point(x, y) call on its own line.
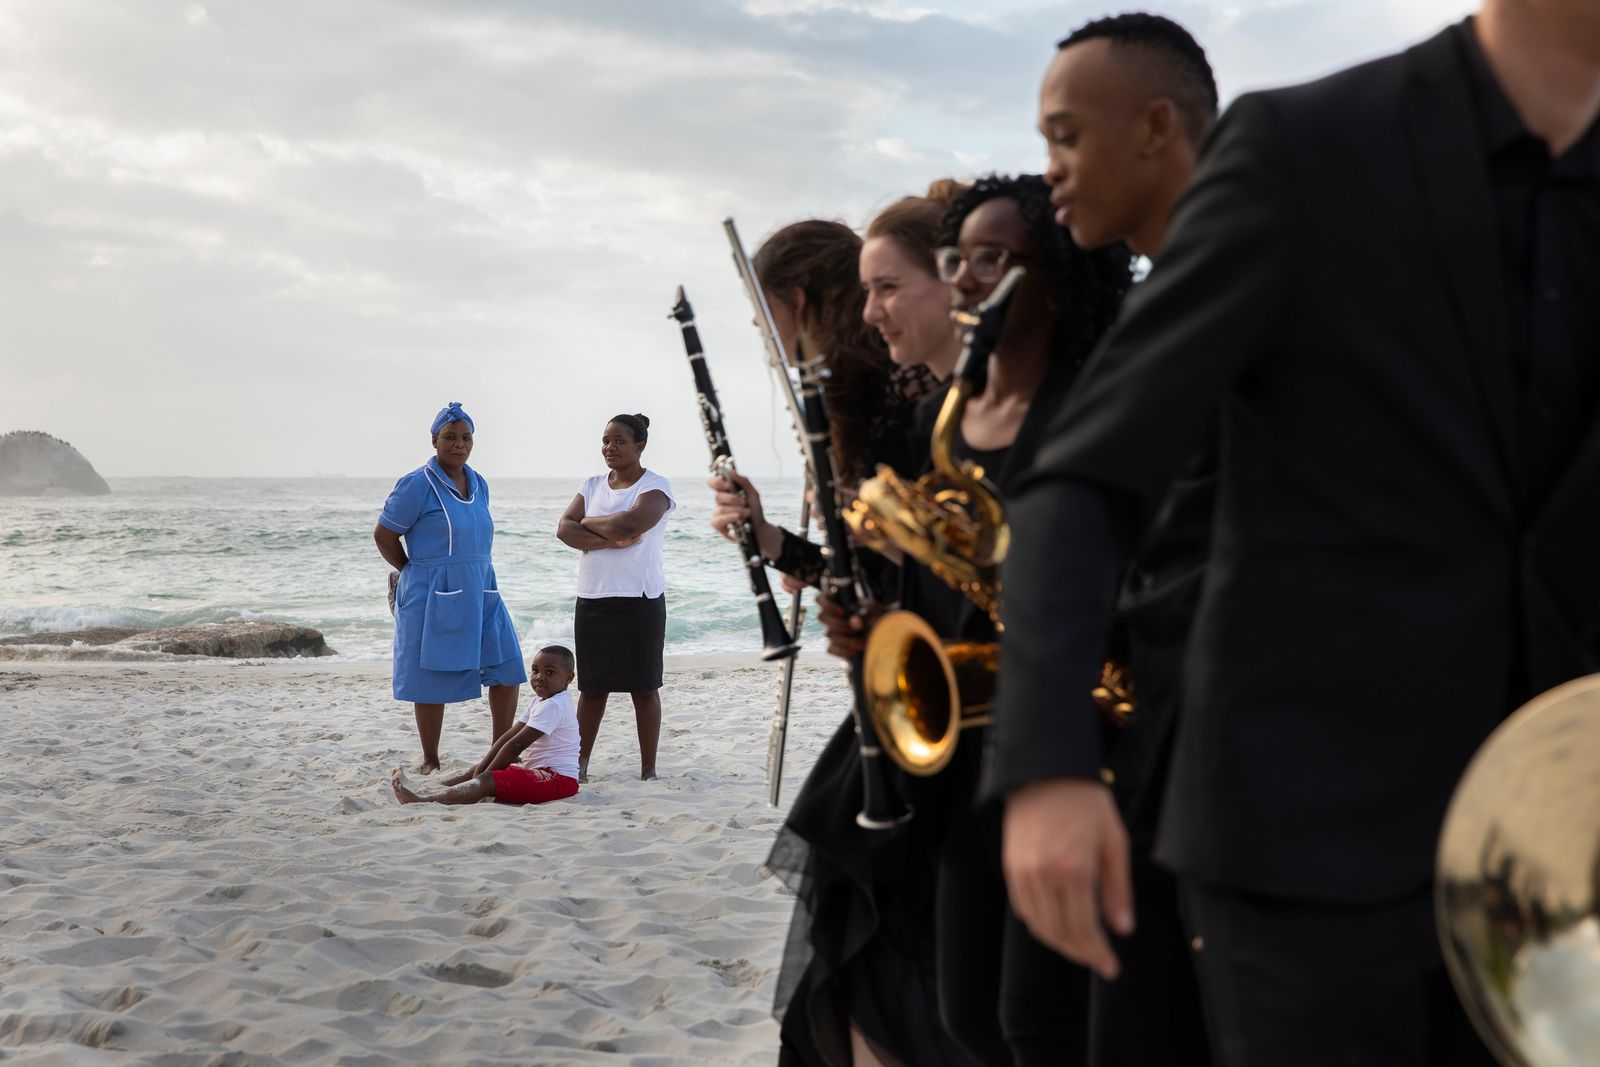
point(558, 748)
point(633, 571)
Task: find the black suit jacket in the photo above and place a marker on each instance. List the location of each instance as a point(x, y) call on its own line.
point(1375, 604)
point(1154, 611)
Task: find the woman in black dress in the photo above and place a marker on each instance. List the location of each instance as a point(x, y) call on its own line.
point(1005, 997)
point(857, 979)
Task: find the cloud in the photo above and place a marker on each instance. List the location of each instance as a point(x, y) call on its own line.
point(307, 225)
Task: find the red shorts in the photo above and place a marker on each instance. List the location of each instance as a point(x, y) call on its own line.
point(519, 785)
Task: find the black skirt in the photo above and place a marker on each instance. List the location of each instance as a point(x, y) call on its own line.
point(861, 945)
point(619, 641)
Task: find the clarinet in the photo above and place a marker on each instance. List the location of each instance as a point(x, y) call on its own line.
point(775, 640)
point(881, 807)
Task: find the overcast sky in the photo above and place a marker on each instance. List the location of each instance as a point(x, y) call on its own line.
point(273, 238)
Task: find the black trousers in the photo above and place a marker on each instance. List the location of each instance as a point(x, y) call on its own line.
point(1004, 996)
point(1150, 1015)
point(1325, 985)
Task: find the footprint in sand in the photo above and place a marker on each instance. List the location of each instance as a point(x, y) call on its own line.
point(119, 999)
point(467, 974)
point(734, 972)
point(488, 927)
point(226, 892)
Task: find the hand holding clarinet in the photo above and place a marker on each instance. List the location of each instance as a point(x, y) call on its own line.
point(738, 504)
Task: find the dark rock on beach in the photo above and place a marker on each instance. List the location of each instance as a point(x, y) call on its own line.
point(36, 464)
point(94, 635)
point(230, 640)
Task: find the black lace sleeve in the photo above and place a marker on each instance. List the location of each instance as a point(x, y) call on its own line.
point(898, 434)
point(800, 558)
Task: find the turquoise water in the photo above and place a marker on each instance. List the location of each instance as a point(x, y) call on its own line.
point(172, 551)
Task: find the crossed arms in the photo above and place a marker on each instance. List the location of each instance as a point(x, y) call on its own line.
point(589, 532)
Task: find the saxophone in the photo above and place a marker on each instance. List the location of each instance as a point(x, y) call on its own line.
point(951, 519)
point(922, 690)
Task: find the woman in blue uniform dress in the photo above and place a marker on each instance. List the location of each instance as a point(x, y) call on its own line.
point(452, 633)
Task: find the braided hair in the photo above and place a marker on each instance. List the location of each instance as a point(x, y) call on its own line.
point(1086, 286)
point(639, 424)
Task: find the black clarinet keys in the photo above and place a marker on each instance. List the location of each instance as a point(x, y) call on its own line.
point(775, 640)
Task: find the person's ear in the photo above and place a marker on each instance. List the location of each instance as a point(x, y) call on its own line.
point(1159, 126)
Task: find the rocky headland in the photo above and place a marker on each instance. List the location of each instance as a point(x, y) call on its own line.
point(230, 640)
point(36, 464)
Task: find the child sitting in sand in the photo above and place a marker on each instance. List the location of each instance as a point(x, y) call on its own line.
point(545, 735)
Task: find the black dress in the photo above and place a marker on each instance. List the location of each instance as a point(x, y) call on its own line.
point(1006, 998)
point(860, 946)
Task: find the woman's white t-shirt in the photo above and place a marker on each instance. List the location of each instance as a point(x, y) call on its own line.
point(633, 571)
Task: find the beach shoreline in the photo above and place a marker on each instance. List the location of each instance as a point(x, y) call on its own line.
point(55, 660)
point(204, 859)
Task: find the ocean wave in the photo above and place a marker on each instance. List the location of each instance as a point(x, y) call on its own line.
point(95, 653)
point(18, 620)
point(170, 552)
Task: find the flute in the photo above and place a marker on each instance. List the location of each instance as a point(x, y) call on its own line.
point(775, 640)
point(778, 362)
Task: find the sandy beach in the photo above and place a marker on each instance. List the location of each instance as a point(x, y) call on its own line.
point(202, 862)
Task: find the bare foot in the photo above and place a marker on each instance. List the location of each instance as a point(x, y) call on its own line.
point(427, 767)
point(401, 793)
point(583, 771)
point(648, 775)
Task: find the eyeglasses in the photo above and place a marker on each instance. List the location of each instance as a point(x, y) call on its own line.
point(986, 263)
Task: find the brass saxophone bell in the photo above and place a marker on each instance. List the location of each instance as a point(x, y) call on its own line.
point(922, 690)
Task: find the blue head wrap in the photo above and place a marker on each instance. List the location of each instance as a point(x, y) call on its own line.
point(451, 413)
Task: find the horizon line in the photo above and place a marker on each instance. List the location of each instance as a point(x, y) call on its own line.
point(332, 476)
